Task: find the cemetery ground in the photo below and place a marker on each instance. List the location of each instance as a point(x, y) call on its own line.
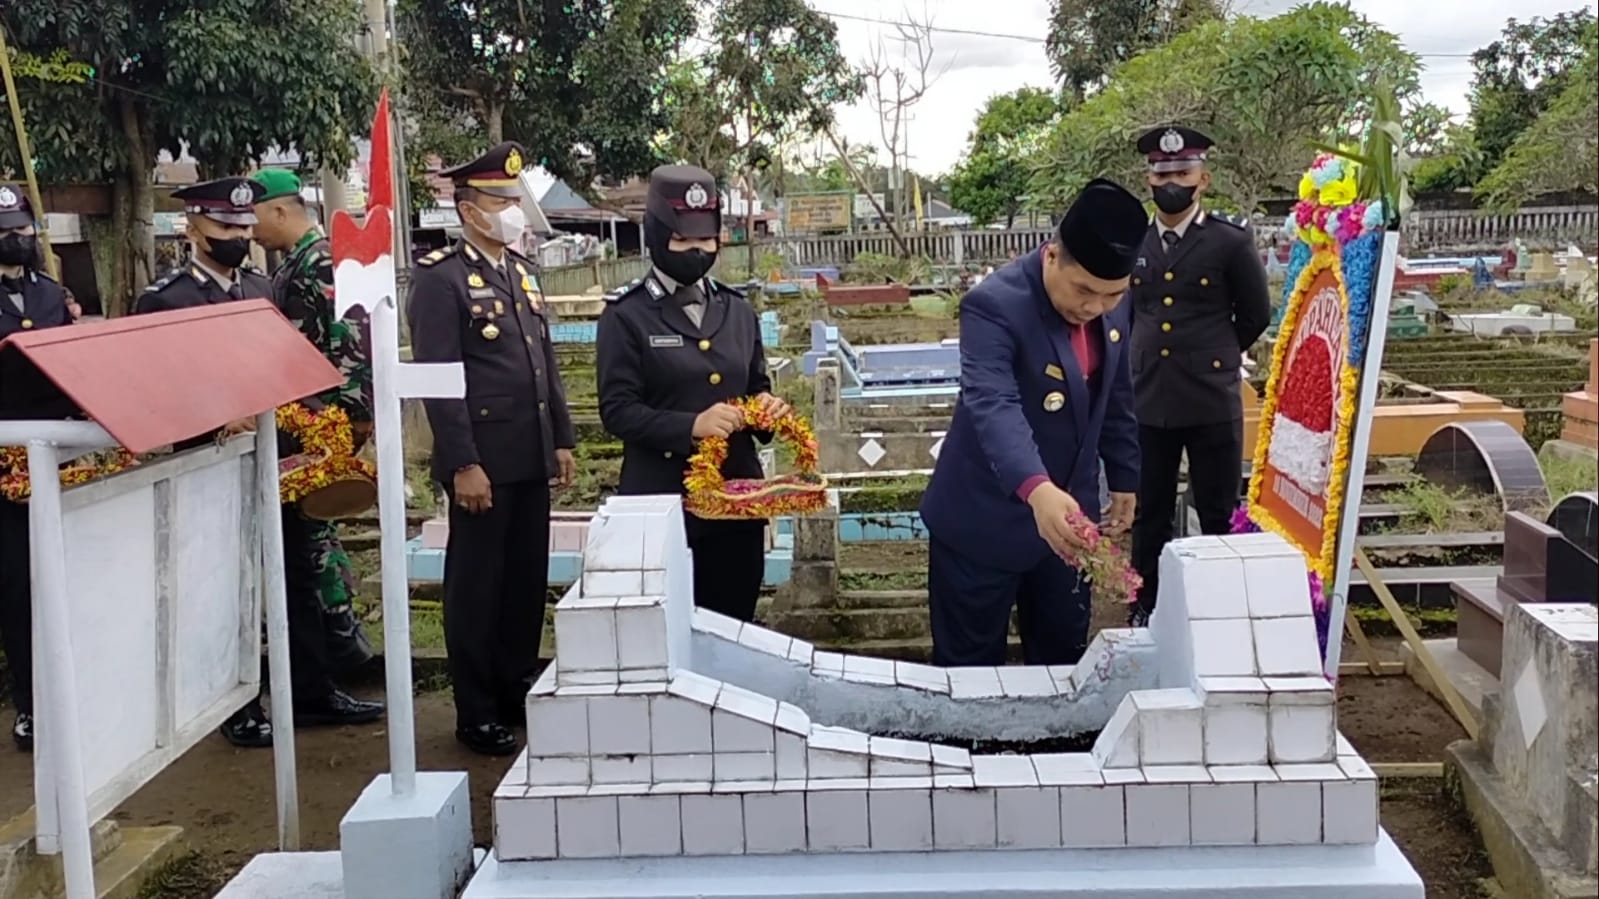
point(223, 797)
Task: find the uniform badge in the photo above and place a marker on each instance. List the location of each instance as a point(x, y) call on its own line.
point(499, 307)
point(241, 196)
point(1054, 401)
point(665, 341)
point(491, 331)
point(8, 197)
point(1053, 371)
point(474, 280)
point(1171, 141)
point(513, 163)
point(696, 197)
point(527, 284)
point(1115, 336)
point(656, 290)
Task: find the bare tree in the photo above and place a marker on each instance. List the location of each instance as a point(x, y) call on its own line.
point(894, 85)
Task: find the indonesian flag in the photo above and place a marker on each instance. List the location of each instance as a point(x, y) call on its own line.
point(363, 254)
point(1302, 430)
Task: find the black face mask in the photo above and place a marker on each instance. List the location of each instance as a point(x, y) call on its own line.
point(1174, 198)
point(18, 249)
point(230, 252)
point(684, 267)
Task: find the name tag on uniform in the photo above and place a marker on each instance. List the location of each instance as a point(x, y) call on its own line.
point(660, 341)
point(1052, 370)
point(481, 293)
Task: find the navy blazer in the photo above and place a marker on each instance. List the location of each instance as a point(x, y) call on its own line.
point(1015, 351)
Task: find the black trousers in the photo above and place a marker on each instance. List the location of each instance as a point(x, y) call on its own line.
point(308, 642)
point(16, 602)
point(729, 564)
point(969, 604)
point(496, 575)
point(1215, 471)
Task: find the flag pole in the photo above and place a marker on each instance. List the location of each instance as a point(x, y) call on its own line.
point(23, 149)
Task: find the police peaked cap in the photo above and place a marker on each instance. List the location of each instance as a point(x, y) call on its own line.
point(1174, 148)
point(230, 201)
point(496, 173)
point(15, 210)
point(1103, 229)
point(683, 198)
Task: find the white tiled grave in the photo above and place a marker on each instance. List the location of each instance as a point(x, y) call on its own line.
point(675, 752)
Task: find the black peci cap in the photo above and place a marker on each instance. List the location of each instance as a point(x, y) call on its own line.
point(15, 210)
point(1103, 229)
point(495, 173)
point(683, 198)
point(1174, 148)
point(230, 201)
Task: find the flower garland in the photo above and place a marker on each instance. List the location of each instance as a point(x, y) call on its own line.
point(1328, 212)
point(327, 454)
point(710, 495)
point(16, 487)
point(1102, 564)
point(1243, 524)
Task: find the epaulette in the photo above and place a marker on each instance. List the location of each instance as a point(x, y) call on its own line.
point(726, 288)
point(1228, 218)
point(624, 290)
point(165, 281)
point(437, 256)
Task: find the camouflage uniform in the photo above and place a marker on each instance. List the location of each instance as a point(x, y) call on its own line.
point(303, 286)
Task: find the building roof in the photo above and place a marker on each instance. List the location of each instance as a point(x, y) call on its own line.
point(562, 198)
point(153, 380)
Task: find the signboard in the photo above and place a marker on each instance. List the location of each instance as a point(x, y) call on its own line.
point(170, 224)
point(863, 205)
point(818, 212)
point(439, 217)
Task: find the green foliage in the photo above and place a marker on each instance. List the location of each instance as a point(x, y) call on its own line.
point(580, 85)
point(1519, 75)
point(876, 268)
point(57, 68)
point(1264, 89)
point(772, 73)
point(1089, 38)
point(1560, 150)
point(990, 182)
point(1456, 163)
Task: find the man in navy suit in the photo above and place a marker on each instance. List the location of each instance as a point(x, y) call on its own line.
point(1046, 397)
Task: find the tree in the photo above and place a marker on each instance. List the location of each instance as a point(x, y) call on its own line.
point(1264, 89)
point(894, 88)
point(1089, 38)
point(227, 81)
point(1454, 163)
point(577, 84)
point(1518, 76)
point(772, 75)
point(1560, 150)
point(991, 180)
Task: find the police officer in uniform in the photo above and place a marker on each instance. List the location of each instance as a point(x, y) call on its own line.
point(29, 300)
point(672, 349)
point(1199, 301)
point(220, 214)
point(497, 451)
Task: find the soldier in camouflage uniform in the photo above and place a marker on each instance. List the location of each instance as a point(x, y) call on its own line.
point(303, 290)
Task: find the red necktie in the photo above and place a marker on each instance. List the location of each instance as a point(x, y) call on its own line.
point(1080, 348)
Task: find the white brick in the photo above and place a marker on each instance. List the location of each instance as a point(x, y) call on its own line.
point(585, 637)
point(952, 758)
point(619, 725)
point(761, 640)
point(1170, 727)
point(774, 823)
point(1214, 586)
point(524, 829)
point(557, 726)
point(600, 584)
point(713, 825)
point(1117, 744)
point(695, 688)
point(650, 825)
point(1092, 817)
point(1235, 728)
point(1157, 815)
point(1277, 585)
point(921, 677)
point(801, 652)
point(615, 542)
point(744, 766)
point(717, 625)
point(679, 726)
point(901, 820)
point(975, 683)
point(827, 664)
point(620, 769)
point(836, 820)
point(586, 827)
point(1028, 817)
point(869, 670)
point(790, 757)
point(792, 719)
point(1222, 814)
point(1004, 771)
point(1302, 733)
point(544, 772)
point(1223, 648)
point(1286, 647)
point(838, 753)
point(1288, 814)
point(1074, 769)
point(1026, 680)
point(732, 732)
point(1350, 811)
point(695, 768)
point(964, 819)
point(641, 635)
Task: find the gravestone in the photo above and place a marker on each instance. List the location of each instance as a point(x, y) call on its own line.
point(1577, 518)
point(1541, 566)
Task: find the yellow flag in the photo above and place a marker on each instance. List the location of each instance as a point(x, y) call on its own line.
point(916, 197)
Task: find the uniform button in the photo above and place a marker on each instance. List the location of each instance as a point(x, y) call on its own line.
point(541, 405)
point(1137, 281)
point(715, 378)
point(1168, 301)
point(27, 323)
point(705, 346)
point(528, 339)
point(1170, 276)
point(1215, 363)
point(483, 412)
point(477, 310)
point(1204, 282)
point(1165, 326)
point(667, 454)
point(1165, 352)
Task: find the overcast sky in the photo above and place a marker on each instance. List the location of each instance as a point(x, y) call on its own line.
point(976, 67)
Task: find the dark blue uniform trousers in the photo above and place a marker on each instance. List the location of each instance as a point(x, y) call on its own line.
point(970, 604)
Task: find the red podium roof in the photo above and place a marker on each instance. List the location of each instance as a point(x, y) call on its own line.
point(152, 380)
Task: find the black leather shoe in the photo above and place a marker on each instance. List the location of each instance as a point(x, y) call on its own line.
point(248, 728)
point(348, 647)
point(338, 707)
point(487, 739)
point(22, 731)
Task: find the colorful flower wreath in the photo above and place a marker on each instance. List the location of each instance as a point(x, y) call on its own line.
point(1328, 211)
point(712, 496)
point(14, 483)
point(326, 478)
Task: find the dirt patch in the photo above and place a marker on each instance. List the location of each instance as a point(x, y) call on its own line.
point(1390, 719)
point(1438, 839)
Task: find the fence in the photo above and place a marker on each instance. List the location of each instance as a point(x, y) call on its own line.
point(605, 274)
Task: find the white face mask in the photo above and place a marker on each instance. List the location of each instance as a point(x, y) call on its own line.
point(507, 225)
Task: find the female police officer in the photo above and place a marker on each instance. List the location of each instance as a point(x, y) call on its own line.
point(672, 349)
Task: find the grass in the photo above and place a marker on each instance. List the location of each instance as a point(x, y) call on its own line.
point(1431, 509)
point(193, 875)
point(1566, 475)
